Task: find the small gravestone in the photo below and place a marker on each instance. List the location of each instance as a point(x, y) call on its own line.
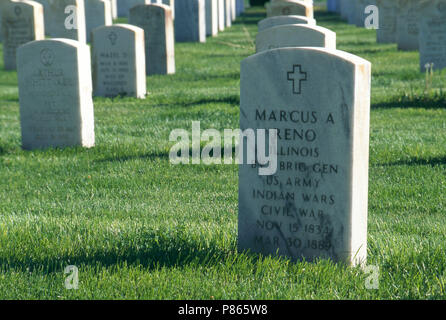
point(66, 19)
point(295, 35)
point(228, 20)
point(240, 7)
point(190, 21)
point(118, 59)
point(233, 10)
point(286, 8)
point(22, 22)
point(55, 94)
point(1, 4)
point(407, 29)
point(386, 33)
point(351, 17)
point(171, 4)
point(124, 6)
point(97, 14)
point(221, 15)
point(359, 14)
point(345, 8)
point(45, 5)
point(282, 20)
point(114, 8)
point(156, 21)
point(432, 36)
point(211, 17)
point(331, 5)
point(315, 204)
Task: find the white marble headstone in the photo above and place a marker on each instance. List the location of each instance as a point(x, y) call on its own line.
point(295, 35)
point(233, 10)
point(211, 17)
point(281, 20)
point(118, 59)
point(331, 5)
point(228, 20)
point(171, 4)
point(386, 33)
point(285, 8)
point(432, 37)
point(190, 21)
point(124, 6)
point(55, 94)
point(315, 205)
point(240, 7)
point(407, 28)
point(156, 21)
point(345, 8)
point(221, 15)
point(22, 22)
point(66, 19)
point(98, 13)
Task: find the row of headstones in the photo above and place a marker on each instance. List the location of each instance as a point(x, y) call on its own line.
point(411, 24)
point(318, 99)
point(291, 24)
point(57, 77)
point(30, 21)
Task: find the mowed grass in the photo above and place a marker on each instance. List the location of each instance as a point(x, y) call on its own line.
point(138, 227)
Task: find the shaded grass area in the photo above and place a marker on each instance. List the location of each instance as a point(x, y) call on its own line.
point(140, 228)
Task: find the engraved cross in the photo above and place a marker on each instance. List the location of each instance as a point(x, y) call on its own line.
point(297, 76)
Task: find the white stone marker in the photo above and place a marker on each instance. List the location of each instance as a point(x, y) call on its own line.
point(351, 17)
point(113, 8)
point(211, 17)
point(240, 7)
point(285, 8)
point(228, 20)
point(66, 19)
point(45, 5)
point(221, 15)
point(55, 93)
point(331, 5)
point(346, 8)
point(233, 10)
point(190, 21)
point(124, 6)
point(358, 12)
point(295, 35)
point(386, 33)
point(22, 22)
point(171, 4)
point(119, 63)
point(97, 14)
point(407, 29)
point(315, 205)
point(282, 20)
point(432, 37)
point(156, 21)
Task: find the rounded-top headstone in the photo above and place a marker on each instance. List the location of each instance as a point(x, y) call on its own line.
point(314, 205)
point(285, 8)
point(281, 20)
point(118, 59)
point(22, 22)
point(295, 35)
point(156, 21)
point(55, 94)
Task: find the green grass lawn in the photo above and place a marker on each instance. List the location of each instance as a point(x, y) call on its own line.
point(138, 227)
